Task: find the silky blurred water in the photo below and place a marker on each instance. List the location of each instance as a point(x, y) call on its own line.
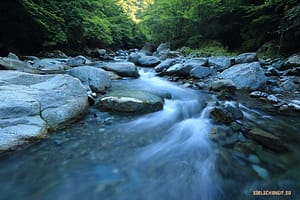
point(161, 155)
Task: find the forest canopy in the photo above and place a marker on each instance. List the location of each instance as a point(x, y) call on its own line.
point(33, 25)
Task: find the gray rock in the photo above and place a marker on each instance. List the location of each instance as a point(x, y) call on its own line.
point(134, 57)
point(121, 52)
point(219, 62)
point(258, 94)
point(96, 78)
point(164, 65)
point(49, 65)
point(201, 72)
point(226, 113)
point(199, 61)
point(13, 56)
point(288, 85)
point(167, 54)
point(246, 76)
point(17, 131)
point(224, 84)
point(163, 47)
point(293, 61)
point(246, 58)
point(125, 69)
point(78, 61)
point(55, 54)
point(100, 52)
point(293, 72)
point(272, 71)
point(148, 61)
point(13, 64)
point(272, 98)
point(130, 102)
point(33, 104)
point(279, 64)
point(179, 70)
point(147, 49)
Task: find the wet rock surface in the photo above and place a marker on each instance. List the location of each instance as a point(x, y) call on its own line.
point(130, 102)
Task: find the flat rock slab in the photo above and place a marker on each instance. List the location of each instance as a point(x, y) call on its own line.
point(130, 102)
point(33, 104)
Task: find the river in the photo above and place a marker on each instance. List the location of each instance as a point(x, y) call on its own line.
point(163, 155)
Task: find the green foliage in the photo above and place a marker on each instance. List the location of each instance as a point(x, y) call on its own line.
point(235, 23)
point(77, 23)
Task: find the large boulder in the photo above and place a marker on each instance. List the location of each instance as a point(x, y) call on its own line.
point(97, 79)
point(219, 62)
point(130, 102)
point(246, 76)
point(148, 61)
point(246, 58)
point(125, 69)
point(33, 104)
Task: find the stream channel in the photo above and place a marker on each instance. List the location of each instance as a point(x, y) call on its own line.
point(163, 155)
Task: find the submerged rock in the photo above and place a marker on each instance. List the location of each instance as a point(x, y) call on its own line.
point(266, 139)
point(31, 104)
point(130, 102)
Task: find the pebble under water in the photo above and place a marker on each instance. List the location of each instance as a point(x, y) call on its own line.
point(163, 155)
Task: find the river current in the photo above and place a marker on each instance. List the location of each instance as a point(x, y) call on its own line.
point(163, 155)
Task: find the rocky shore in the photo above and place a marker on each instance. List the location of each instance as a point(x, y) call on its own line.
point(39, 95)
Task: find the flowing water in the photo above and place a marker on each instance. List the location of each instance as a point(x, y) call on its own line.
point(161, 155)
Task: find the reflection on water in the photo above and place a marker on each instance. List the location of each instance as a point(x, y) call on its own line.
point(161, 155)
